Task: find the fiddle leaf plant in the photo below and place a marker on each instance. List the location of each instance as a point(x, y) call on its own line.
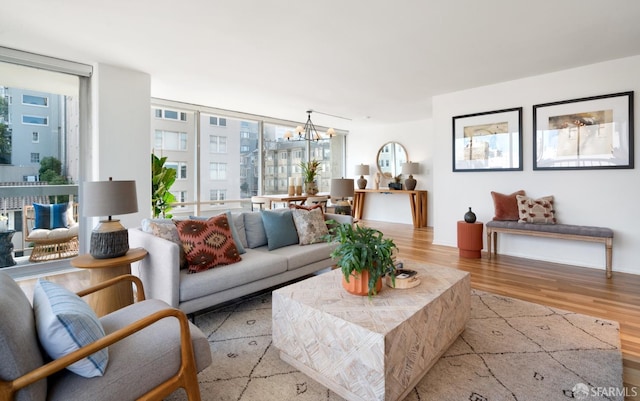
point(363, 248)
point(161, 181)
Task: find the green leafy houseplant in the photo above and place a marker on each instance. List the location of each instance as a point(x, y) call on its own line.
point(363, 248)
point(310, 170)
point(162, 178)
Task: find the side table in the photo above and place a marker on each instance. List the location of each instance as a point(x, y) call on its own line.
point(117, 296)
point(6, 248)
point(470, 239)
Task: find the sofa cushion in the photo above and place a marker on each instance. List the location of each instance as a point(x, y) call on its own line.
point(255, 265)
point(234, 228)
point(537, 211)
point(166, 229)
point(254, 229)
point(50, 216)
point(238, 222)
point(310, 225)
point(66, 323)
point(153, 349)
point(279, 227)
point(506, 206)
point(207, 243)
point(299, 256)
point(19, 345)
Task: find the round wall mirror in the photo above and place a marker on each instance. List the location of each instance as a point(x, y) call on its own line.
point(390, 158)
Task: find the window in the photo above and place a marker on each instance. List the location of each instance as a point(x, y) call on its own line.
point(181, 197)
point(35, 137)
point(35, 157)
point(219, 121)
point(170, 114)
point(217, 144)
point(170, 140)
point(35, 120)
point(180, 167)
point(217, 194)
point(35, 100)
point(217, 171)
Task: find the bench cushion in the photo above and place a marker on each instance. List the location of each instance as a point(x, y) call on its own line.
point(588, 231)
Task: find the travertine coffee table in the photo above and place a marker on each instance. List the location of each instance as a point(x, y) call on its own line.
point(370, 349)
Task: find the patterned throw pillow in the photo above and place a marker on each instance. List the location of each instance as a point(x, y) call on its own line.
point(506, 206)
point(165, 229)
point(65, 323)
point(208, 243)
point(310, 225)
point(538, 211)
point(306, 207)
point(50, 216)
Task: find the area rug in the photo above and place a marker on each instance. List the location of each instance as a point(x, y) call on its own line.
point(510, 350)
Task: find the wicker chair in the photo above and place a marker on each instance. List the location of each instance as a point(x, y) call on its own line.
point(58, 243)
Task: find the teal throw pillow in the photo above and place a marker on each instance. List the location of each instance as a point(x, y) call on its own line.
point(280, 228)
point(50, 216)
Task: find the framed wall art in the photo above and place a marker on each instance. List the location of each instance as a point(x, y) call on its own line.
point(489, 141)
point(589, 133)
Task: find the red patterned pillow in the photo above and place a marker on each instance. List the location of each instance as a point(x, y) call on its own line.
point(208, 243)
point(506, 206)
point(538, 211)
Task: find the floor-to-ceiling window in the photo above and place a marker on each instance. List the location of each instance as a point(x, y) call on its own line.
point(223, 158)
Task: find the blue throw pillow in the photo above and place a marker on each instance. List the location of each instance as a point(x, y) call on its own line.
point(50, 216)
point(280, 228)
point(66, 323)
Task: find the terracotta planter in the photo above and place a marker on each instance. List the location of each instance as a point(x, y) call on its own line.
point(359, 284)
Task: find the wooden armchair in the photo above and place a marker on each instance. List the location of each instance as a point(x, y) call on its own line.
point(151, 352)
point(53, 244)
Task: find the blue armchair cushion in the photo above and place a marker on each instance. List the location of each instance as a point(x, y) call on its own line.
point(50, 216)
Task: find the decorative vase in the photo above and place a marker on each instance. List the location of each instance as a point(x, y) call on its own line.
point(310, 188)
point(359, 283)
point(470, 217)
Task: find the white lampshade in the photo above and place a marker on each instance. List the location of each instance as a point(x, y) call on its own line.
point(109, 198)
point(342, 187)
point(109, 239)
point(410, 168)
point(362, 169)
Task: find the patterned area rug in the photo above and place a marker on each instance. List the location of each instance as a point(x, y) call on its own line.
point(510, 350)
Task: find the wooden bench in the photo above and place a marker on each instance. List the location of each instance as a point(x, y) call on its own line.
point(562, 231)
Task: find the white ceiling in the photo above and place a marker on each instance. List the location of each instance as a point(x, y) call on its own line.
point(377, 59)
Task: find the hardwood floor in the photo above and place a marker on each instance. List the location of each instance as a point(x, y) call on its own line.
point(577, 289)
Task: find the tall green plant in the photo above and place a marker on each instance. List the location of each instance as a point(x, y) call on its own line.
point(162, 180)
point(309, 170)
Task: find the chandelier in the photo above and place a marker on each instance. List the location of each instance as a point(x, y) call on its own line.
point(308, 132)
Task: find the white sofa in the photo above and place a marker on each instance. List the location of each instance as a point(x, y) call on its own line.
point(259, 268)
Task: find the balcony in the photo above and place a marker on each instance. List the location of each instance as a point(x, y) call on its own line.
point(13, 197)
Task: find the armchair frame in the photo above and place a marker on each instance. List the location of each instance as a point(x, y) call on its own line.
point(185, 377)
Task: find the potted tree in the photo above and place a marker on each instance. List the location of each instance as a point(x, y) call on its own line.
point(309, 174)
point(364, 256)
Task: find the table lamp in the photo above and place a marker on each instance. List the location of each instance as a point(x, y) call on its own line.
point(410, 168)
point(109, 239)
point(362, 170)
point(342, 188)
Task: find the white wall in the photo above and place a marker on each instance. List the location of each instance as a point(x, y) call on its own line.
point(364, 141)
point(119, 144)
point(587, 197)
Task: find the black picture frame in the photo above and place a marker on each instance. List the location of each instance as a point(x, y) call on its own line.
point(488, 141)
point(587, 133)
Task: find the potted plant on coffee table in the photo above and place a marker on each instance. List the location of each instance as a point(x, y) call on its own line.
point(364, 256)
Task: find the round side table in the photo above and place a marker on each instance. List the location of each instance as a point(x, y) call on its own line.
point(116, 296)
point(470, 239)
point(6, 248)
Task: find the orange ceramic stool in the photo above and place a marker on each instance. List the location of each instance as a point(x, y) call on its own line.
point(470, 239)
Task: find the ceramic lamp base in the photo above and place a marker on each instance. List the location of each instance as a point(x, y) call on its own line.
point(410, 183)
point(109, 239)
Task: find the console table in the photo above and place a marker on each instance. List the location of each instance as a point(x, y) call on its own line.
point(417, 203)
